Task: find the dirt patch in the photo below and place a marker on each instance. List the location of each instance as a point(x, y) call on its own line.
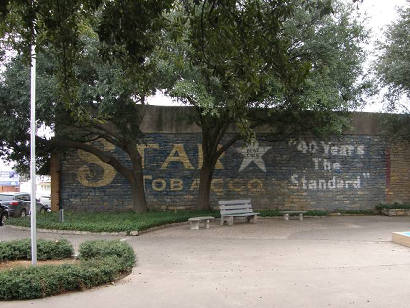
point(26, 263)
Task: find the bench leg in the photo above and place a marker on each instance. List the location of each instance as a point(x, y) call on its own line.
point(222, 220)
point(230, 221)
point(301, 216)
point(207, 224)
point(194, 225)
point(253, 219)
point(286, 216)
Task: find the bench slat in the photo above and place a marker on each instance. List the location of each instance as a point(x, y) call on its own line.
point(201, 218)
point(239, 211)
point(244, 214)
point(234, 207)
point(234, 202)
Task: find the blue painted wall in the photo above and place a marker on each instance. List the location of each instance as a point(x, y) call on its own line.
point(302, 173)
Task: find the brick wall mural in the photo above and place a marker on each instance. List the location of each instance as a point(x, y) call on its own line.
point(349, 172)
point(398, 172)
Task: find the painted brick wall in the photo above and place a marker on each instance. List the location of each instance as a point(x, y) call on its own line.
point(350, 172)
point(398, 173)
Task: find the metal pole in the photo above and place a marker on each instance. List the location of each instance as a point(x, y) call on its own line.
point(33, 156)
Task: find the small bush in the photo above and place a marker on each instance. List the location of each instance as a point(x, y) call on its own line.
point(46, 249)
point(392, 206)
point(356, 212)
point(269, 213)
point(101, 249)
point(276, 212)
point(101, 262)
point(316, 213)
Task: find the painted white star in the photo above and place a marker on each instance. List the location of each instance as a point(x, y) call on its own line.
point(253, 153)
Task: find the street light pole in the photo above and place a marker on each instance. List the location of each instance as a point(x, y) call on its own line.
point(33, 156)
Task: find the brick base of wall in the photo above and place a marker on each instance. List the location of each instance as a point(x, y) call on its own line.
point(396, 212)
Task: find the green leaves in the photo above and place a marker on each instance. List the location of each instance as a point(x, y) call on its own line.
point(102, 262)
point(234, 56)
point(393, 63)
point(46, 250)
point(129, 29)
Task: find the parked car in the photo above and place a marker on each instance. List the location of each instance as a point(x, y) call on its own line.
point(45, 200)
point(3, 214)
point(18, 204)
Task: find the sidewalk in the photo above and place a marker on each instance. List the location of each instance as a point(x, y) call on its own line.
point(319, 262)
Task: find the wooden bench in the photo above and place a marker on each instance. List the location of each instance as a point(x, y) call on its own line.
point(195, 221)
point(287, 213)
point(236, 208)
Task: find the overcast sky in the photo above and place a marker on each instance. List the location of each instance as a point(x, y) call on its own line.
point(379, 14)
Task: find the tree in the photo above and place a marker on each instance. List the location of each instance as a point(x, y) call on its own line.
point(108, 109)
point(237, 60)
point(99, 52)
point(393, 62)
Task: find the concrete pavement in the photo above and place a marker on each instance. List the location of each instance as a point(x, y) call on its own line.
point(319, 262)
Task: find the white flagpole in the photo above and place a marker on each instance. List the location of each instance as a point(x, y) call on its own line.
point(33, 156)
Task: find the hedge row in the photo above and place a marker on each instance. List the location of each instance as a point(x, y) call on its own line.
point(46, 250)
point(101, 262)
point(103, 249)
point(277, 212)
point(393, 206)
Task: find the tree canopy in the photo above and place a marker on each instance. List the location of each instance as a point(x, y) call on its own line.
point(239, 63)
point(393, 63)
point(229, 60)
point(94, 61)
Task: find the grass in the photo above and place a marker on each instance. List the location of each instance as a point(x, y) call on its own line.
point(130, 221)
point(123, 221)
point(109, 221)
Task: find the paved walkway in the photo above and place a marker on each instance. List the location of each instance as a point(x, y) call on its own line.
point(319, 262)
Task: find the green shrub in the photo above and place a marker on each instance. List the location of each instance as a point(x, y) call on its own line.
point(316, 213)
point(100, 249)
point(269, 213)
point(46, 280)
point(107, 261)
point(276, 212)
point(46, 249)
point(392, 206)
point(356, 212)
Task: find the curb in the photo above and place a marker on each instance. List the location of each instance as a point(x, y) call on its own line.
point(175, 224)
point(67, 231)
point(74, 232)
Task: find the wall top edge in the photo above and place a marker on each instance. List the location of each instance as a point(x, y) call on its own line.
point(179, 119)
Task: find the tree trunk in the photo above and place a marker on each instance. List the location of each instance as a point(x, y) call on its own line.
point(205, 180)
point(136, 178)
point(139, 204)
point(211, 136)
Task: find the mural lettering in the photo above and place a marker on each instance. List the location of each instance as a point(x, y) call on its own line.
point(318, 166)
point(326, 161)
point(218, 185)
point(88, 176)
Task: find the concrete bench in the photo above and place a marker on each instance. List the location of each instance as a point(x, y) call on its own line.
point(236, 208)
point(195, 221)
point(287, 213)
